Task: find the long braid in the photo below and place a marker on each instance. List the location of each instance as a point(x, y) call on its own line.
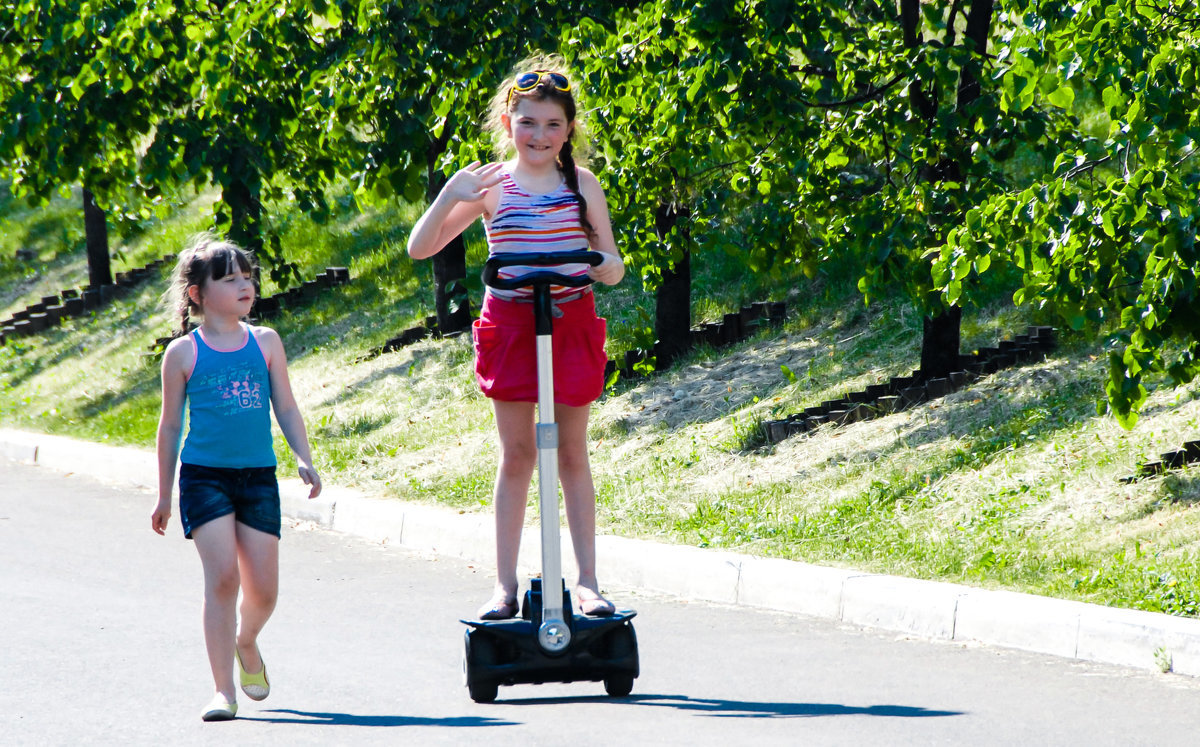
point(566, 164)
point(192, 270)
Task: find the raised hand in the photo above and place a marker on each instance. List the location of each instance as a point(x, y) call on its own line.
point(472, 182)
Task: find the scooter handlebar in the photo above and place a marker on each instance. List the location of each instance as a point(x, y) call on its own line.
point(491, 269)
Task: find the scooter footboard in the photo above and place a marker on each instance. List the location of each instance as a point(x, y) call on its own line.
point(506, 652)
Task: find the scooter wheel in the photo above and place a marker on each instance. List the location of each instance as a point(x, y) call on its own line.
point(480, 652)
point(618, 687)
point(619, 644)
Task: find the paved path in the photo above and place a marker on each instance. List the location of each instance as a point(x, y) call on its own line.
point(102, 644)
point(926, 609)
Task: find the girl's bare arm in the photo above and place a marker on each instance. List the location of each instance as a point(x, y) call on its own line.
point(177, 361)
point(460, 202)
point(612, 269)
point(287, 412)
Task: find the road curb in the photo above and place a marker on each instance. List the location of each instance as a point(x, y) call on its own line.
point(927, 609)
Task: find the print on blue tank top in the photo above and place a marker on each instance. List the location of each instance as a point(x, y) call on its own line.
point(229, 407)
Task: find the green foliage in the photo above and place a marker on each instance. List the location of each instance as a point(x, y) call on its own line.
point(1106, 233)
point(136, 100)
point(911, 138)
point(250, 114)
point(76, 98)
point(947, 150)
point(685, 134)
point(415, 79)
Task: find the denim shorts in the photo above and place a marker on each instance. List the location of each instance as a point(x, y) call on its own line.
point(250, 494)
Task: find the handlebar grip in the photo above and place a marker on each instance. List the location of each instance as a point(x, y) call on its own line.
point(491, 268)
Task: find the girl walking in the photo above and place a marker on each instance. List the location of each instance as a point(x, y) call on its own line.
point(538, 200)
point(229, 374)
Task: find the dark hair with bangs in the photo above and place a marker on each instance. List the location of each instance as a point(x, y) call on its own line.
point(206, 257)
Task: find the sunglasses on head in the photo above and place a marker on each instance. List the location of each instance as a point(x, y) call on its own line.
point(529, 81)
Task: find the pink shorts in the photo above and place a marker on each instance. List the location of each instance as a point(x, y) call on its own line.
point(506, 351)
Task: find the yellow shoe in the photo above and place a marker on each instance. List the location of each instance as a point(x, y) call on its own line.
point(218, 709)
point(256, 686)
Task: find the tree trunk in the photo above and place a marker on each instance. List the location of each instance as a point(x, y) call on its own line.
point(453, 302)
point(979, 25)
point(673, 300)
point(96, 230)
point(940, 344)
point(451, 299)
point(942, 332)
point(245, 216)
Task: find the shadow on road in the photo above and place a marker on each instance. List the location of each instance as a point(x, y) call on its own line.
point(289, 716)
point(751, 709)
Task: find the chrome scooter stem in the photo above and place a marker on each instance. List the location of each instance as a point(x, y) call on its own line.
point(554, 635)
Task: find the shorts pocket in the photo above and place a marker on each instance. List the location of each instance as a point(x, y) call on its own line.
point(599, 335)
point(493, 362)
point(484, 337)
point(579, 362)
point(483, 334)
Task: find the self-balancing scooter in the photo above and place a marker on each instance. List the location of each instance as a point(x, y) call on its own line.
point(547, 643)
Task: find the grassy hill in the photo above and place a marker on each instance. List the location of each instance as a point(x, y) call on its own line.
point(1013, 482)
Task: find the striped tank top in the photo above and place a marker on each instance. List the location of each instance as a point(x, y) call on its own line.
point(529, 222)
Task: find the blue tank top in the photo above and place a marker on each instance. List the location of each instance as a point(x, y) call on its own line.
point(229, 407)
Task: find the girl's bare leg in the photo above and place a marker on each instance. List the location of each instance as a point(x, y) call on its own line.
point(258, 558)
point(518, 457)
point(216, 542)
point(579, 495)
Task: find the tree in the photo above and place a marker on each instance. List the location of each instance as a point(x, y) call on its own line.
point(251, 115)
point(695, 118)
point(135, 100)
point(912, 139)
point(76, 104)
point(868, 129)
point(420, 74)
point(1104, 237)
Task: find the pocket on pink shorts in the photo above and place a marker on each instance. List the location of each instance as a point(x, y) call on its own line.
point(505, 368)
point(486, 338)
point(579, 362)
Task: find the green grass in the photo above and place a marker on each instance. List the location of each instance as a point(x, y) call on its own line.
point(1013, 482)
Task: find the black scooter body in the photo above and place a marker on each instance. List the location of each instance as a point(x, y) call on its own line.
point(506, 652)
point(510, 652)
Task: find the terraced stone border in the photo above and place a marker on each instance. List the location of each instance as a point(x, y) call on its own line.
point(903, 392)
point(1167, 461)
point(73, 302)
point(734, 327)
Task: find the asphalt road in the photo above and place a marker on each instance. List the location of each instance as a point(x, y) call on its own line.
point(100, 642)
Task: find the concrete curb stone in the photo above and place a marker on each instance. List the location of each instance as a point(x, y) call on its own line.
point(17, 452)
point(789, 586)
point(1005, 618)
point(924, 608)
point(1120, 636)
point(927, 609)
point(681, 571)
